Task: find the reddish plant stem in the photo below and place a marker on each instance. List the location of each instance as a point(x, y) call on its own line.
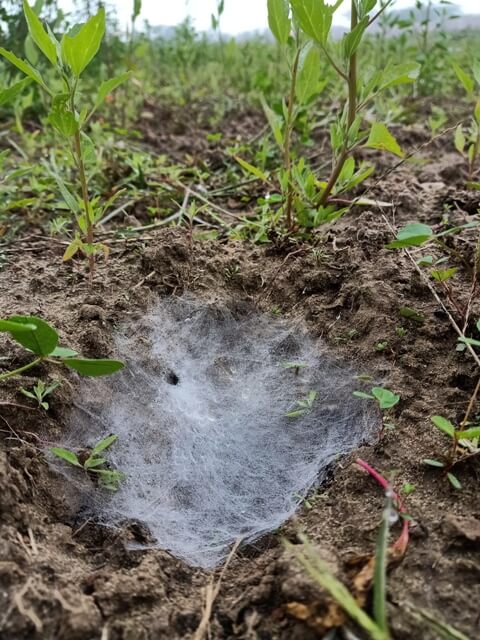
point(402, 542)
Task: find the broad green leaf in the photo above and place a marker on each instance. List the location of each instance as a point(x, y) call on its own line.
point(137, 8)
point(258, 173)
point(454, 481)
point(412, 235)
point(63, 352)
point(63, 121)
point(308, 80)
point(279, 19)
point(444, 425)
point(434, 463)
point(93, 368)
point(386, 398)
point(465, 79)
point(25, 67)
point(81, 45)
point(42, 340)
point(8, 95)
point(39, 35)
point(459, 139)
point(412, 314)
point(468, 434)
point(470, 341)
point(381, 138)
point(104, 444)
point(314, 17)
point(108, 86)
point(66, 455)
point(18, 327)
point(396, 74)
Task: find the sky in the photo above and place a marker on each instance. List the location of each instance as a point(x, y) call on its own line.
point(238, 16)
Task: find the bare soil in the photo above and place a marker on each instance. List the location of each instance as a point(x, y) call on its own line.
point(62, 576)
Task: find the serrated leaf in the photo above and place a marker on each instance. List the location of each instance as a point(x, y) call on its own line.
point(66, 455)
point(351, 40)
point(81, 45)
point(9, 94)
point(93, 368)
point(63, 121)
point(397, 74)
point(41, 340)
point(39, 35)
point(412, 235)
point(381, 138)
point(279, 19)
point(444, 425)
point(314, 17)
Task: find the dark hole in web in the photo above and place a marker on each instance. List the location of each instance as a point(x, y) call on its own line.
point(172, 378)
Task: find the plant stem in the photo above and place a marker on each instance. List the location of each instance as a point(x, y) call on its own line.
point(16, 372)
point(352, 112)
point(287, 145)
point(78, 156)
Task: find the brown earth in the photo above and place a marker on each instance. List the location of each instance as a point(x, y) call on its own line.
point(63, 576)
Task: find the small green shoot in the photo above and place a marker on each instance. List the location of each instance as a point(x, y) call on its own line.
point(39, 392)
point(94, 463)
point(302, 407)
point(386, 399)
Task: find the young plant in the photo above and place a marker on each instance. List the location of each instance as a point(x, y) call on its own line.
point(39, 392)
point(386, 399)
point(94, 464)
point(464, 443)
point(313, 199)
point(302, 407)
point(41, 339)
point(467, 141)
point(69, 59)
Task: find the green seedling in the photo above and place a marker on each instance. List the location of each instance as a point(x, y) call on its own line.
point(302, 29)
point(464, 443)
point(296, 366)
point(467, 140)
point(94, 464)
point(39, 392)
point(41, 339)
point(69, 59)
point(386, 399)
point(302, 407)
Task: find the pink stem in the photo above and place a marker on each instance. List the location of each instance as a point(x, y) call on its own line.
point(402, 542)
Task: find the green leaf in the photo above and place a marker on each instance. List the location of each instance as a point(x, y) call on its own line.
point(93, 462)
point(381, 138)
point(363, 395)
point(454, 481)
point(386, 398)
point(308, 80)
point(459, 139)
point(28, 394)
point(444, 425)
point(471, 341)
point(63, 121)
point(67, 455)
point(412, 235)
point(94, 368)
point(80, 46)
point(258, 173)
point(465, 79)
point(351, 40)
point(108, 86)
point(9, 94)
point(41, 340)
point(63, 352)
point(137, 8)
point(434, 463)
point(441, 275)
point(396, 74)
point(468, 434)
point(412, 314)
point(104, 444)
point(39, 35)
point(279, 19)
point(8, 325)
point(25, 67)
point(314, 17)
point(75, 245)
